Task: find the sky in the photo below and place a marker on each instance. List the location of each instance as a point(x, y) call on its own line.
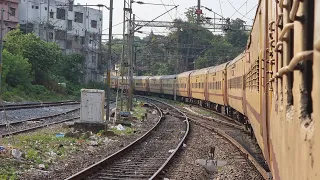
point(226, 8)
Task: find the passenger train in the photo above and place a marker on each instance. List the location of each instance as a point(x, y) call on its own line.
point(273, 85)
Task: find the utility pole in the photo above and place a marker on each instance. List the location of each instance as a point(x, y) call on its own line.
point(130, 45)
point(198, 12)
point(1, 47)
point(109, 61)
point(122, 54)
point(48, 18)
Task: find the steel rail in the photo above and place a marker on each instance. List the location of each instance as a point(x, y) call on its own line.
point(42, 125)
point(96, 167)
point(37, 127)
point(156, 174)
point(246, 154)
point(40, 118)
point(36, 105)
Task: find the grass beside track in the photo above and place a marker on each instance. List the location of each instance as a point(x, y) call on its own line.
point(40, 147)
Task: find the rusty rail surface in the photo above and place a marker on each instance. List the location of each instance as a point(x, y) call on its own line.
point(115, 158)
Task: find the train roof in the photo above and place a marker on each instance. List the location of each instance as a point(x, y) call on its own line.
point(184, 74)
point(141, 77)
point(200, 71)
point(236, 59)
point(218, 67)
point(169, 76)
point(155, 77)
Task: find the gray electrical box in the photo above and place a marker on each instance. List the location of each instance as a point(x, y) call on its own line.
point(92, 105)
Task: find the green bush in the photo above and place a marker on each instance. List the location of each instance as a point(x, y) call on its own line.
point(16, 70)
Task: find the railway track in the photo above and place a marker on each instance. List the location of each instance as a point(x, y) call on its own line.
point(235, 134)
point(36, 105)
point(146, 157)
point(17, 127)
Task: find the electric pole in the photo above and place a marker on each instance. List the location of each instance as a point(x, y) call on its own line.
point(130, 45)
point(122, 54)
point(198, 12)
point(109, 61)
point(1, 47)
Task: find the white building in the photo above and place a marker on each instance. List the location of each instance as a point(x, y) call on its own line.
point(76, 28)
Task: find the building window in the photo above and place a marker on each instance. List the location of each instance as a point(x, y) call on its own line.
point(51, 14)
point(32, 6)
point(93, 24)
point(50, 35)
point(82, 40)
point(78, 17)
point(76, 38)
point(60, 35)
point(37, 7)
point(61, 14)
point(45, 8)
point(69, 44)
point(70, 6)
point(69, 24)
point(12, 11)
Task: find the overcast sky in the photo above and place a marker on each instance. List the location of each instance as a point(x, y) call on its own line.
point(148, 12)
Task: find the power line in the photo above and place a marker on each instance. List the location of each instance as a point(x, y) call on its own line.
point(250, 10)
point(114, 26)
point(167, 9)
point(237, 10)
point(220, 8)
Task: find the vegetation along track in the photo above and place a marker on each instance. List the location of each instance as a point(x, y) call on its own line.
point(146, 157)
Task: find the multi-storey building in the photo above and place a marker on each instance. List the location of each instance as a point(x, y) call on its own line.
point(9, 8)
point(75, 28)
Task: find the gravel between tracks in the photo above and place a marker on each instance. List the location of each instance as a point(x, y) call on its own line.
point(86, 157)
point(23, 114)
point(198, 144)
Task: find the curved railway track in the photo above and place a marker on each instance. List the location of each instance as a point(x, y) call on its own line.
point(235, 134)
point(146, 157)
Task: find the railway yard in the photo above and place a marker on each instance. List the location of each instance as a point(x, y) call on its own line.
point(228, 91)
point(169, 143)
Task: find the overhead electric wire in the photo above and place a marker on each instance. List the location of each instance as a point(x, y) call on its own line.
point(250, 11)
point(221, 8)
point(237, 10)
point(166, 10)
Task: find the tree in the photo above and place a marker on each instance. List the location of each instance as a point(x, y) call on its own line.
point(192, 16)
point(42, 55)
point(70, 67)
point(16, 70)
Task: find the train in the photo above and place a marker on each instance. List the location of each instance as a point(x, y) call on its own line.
point(273, 86)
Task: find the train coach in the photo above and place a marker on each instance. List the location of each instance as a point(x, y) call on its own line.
point(198, 88)
point(273, 85)
point(183, 86)
point(141, 84)
point(168, 84)
point(217, 87)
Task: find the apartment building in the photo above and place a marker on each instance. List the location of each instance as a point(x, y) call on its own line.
point(75, 28)
point(10, 14)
